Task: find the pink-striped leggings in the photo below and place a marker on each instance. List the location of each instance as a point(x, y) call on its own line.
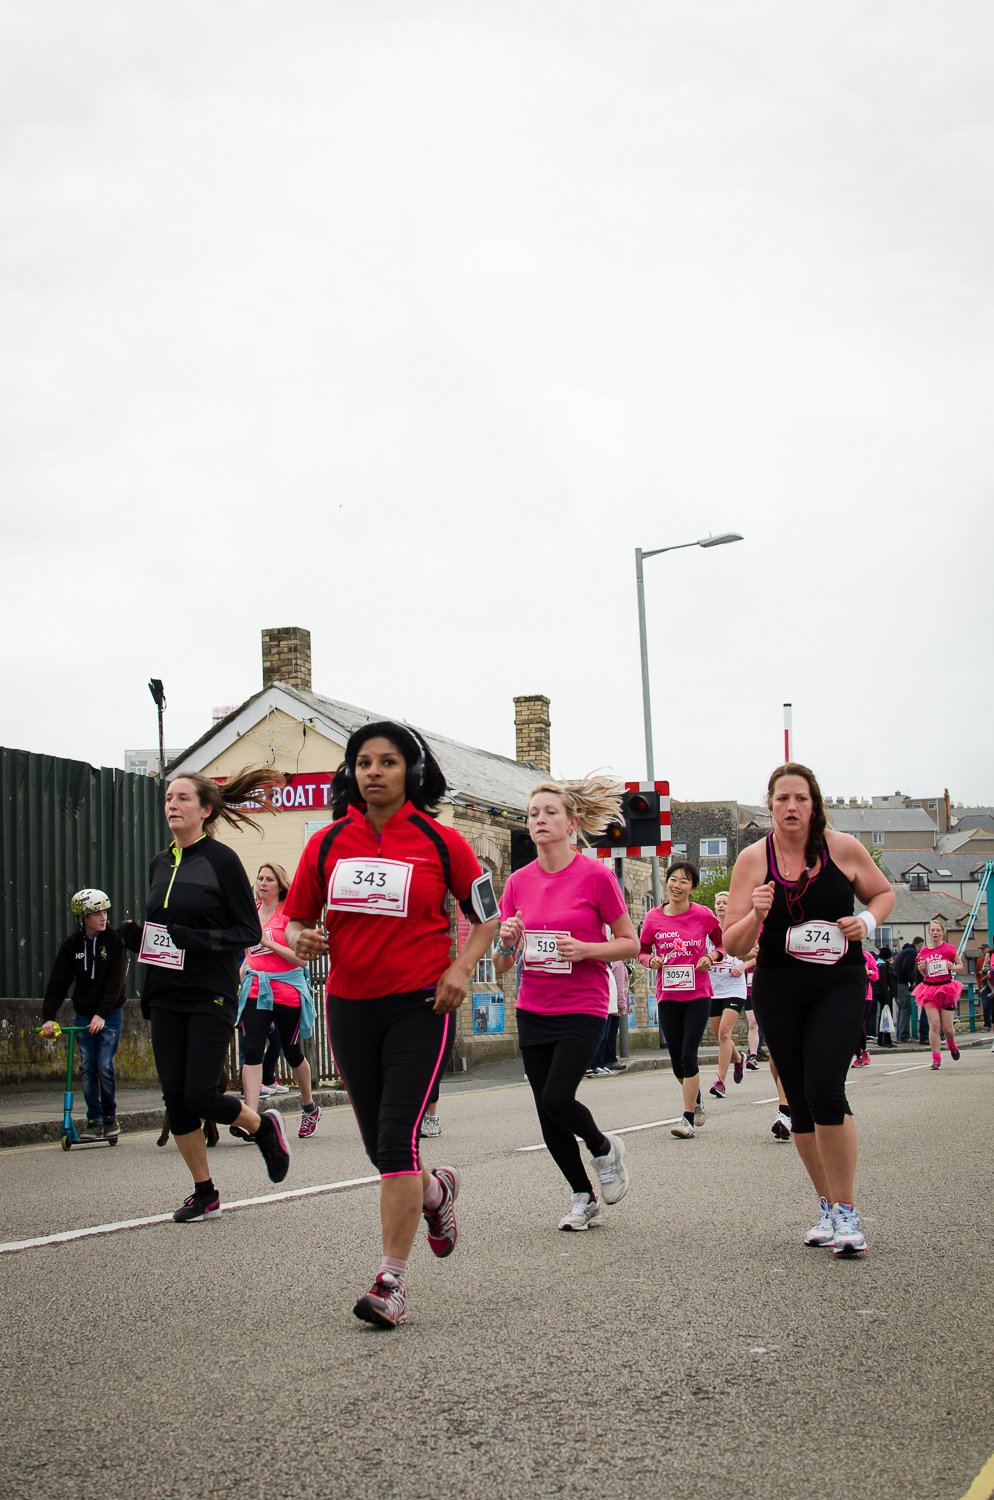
point(389, 1053)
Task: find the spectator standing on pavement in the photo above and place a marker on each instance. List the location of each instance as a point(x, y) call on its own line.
point(904, 969)
point(93, 961)
point(885, 994)
point(862, 1058)
point(606, 1057)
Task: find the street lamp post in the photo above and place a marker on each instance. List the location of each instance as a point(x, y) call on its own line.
point(707, 541)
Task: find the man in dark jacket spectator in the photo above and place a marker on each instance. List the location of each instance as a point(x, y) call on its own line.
point(884, 991)
point(93, 962)
point(904, 973)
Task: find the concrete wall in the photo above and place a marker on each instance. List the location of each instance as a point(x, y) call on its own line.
point(27, 1058)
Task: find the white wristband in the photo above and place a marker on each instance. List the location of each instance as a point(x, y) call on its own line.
point(871, 922)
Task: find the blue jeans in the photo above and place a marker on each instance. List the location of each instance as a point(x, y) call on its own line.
point(96, 1065)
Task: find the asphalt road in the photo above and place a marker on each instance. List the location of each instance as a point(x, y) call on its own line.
point(690, 1347)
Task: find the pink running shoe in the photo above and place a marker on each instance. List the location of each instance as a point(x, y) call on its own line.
point(441, 1221)
point(383, 1304)
point(309, 1121)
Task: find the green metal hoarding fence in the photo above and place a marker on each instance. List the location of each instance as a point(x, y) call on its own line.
point(64, 825)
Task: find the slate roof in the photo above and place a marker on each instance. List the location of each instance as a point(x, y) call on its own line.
point(912, 907)
point(971, 819)
point(896, 862)
point(473, 775)
point(858, 820)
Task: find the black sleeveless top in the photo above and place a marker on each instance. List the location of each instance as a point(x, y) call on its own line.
point(827, 896)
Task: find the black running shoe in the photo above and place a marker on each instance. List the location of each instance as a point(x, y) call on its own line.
point(272, 1142)
point(199, 1206)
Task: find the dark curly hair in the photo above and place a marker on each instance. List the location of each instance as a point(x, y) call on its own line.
point(819, 819)
point(426, 797)
point(689, 869)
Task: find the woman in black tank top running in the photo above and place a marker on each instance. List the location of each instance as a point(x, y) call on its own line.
point(796, 893)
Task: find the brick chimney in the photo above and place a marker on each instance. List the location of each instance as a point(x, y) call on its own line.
point(286, 657)
point(532, 730)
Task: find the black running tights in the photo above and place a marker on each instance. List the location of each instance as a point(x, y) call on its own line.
point(683, 1023)
point(190, 1049)
point(555, 1071)
point(812, 1033)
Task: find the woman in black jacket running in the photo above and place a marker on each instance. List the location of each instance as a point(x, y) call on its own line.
point(199, 919)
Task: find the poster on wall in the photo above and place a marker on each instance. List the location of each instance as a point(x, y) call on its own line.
point(488, 1013)
point(653, 1011)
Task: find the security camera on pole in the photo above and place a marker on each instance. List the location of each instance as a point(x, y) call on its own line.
point(158, 693)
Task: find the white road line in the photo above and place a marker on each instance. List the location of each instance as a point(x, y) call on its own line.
point(774, 1100)
point(82, 1234)
point(625, 1130)
point(913, 1069)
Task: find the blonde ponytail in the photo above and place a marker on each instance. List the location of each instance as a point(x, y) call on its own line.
point(595, 801)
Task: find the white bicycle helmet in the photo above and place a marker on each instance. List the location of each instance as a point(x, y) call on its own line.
point(88, 902)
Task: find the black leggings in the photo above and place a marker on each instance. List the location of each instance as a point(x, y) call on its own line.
point(812, 1028)
point(255, 1025)
point(389, 1054)
point(190, 1050)
point(683, 1023)
point(555, 1071)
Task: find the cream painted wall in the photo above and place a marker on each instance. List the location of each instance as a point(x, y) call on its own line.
point(283, 836)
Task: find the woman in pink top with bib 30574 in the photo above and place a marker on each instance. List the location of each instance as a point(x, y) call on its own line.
point(555, 910)
point(674, 943)
point(938, 994)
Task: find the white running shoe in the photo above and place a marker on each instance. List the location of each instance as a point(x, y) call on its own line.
point(849, 1238)
point(431, 1126)
point(699, 1115)
point(611, 1171)
point(683, 1128)
point(823, 1233)
point(584, 1211)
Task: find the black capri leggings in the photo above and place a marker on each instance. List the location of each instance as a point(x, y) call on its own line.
point(555, 1071)
point(191, 1048)
point(683, 1023)
point(255, 1025)
point(389, 1054)
point(812, 1027)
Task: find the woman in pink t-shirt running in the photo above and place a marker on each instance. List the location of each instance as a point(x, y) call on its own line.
point(674, 944)
point(555, 911)
point(938, 994)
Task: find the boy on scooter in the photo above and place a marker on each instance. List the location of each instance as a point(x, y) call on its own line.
point(95, 960)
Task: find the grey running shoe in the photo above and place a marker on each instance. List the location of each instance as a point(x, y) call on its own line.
point(431, 1126)
point(441, 1221)
point(699, 1115)
point(849, 1238)
point(584, 1210)
point(611, 1171)
point(822, 1233)
point(683, 1128)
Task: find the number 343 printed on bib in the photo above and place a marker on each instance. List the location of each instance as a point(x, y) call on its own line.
point(372, 887)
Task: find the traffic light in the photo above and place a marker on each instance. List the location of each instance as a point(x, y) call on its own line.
point(523, 850)
point(644, 825)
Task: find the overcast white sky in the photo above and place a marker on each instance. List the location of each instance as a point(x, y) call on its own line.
point(407, 322)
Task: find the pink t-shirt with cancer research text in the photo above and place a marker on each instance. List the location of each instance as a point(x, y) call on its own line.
point(579, 900)
point(680, 942)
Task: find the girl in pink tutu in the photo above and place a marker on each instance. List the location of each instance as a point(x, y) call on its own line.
point(938, 994)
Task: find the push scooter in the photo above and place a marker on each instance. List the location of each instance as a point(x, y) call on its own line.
point(70, 1135)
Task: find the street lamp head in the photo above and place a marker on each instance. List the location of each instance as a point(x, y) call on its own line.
point(719, 541)
point(156, 689)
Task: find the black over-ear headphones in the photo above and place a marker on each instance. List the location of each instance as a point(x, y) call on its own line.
point(415, 776)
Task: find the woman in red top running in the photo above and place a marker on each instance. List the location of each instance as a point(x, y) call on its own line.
point(384, 869)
